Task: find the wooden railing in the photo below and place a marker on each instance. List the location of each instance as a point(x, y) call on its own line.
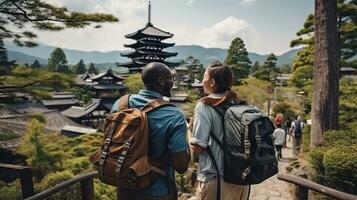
point(24, 172)
point(87, 187)
point(304, 185)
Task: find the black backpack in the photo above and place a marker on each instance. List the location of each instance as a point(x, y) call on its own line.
point(297, 129)
point(248, 145)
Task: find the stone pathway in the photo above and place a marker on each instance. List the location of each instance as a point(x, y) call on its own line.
point(271, 189)
point(274, 189)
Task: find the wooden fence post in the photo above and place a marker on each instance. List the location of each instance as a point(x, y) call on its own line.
point(87, 189)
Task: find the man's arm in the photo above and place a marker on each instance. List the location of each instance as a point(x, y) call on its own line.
point(180, 161)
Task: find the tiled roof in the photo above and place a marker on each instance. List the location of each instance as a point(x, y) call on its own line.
point(78, 112)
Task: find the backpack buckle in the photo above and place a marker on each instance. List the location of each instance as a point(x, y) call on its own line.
point(103, 155)
point(107, 141)
point(245, 173)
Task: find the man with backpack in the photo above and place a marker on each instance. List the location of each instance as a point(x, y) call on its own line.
point(296, 131)
point(167, 134)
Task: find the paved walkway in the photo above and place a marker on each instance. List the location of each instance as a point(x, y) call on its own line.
point(274, 189)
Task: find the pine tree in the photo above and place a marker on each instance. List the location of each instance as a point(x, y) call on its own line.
point(19, 18)
point(80, 68)
point(5, 64)
point(36, 65)
point(255, 67)
point(92, 69)
point(268, 71)
point(58, 61)
point(237, 59)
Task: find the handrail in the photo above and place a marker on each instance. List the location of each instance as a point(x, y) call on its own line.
point(25, 178)
point(305, 183)
point(86, 180)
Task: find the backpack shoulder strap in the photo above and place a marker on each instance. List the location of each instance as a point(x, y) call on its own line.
point(124, 102)
point(154, 104)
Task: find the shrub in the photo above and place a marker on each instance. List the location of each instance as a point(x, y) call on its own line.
point(103, 191)
point(53, 179)
point(11, 191)
point(340, 165)
point(77, 165)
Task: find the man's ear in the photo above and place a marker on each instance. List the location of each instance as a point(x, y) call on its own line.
point(161, 81)
point(213, 83)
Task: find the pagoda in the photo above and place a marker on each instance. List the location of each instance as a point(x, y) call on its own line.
point(148, 47)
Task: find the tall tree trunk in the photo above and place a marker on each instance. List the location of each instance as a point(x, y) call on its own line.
point(326, 71)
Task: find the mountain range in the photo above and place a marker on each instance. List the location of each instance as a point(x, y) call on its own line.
point(205, 55)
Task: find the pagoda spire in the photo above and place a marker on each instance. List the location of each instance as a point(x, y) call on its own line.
point(149, 13)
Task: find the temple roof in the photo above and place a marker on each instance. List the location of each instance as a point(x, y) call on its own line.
point(76, 112)
point(149, 30)
point(138, 64)
point(140, 52)
point(109, 73)
point(109, 87)
point(142, 43)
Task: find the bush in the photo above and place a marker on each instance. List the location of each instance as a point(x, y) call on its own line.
point(11, 191)
point(335, 164)
point(77, 165)
point(341, 168)
point(103, 191)
point(53, 179)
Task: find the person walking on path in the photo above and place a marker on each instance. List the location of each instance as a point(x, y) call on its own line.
point(217, 83)
point(279, 135)
point(168, 131)
point(296, 131)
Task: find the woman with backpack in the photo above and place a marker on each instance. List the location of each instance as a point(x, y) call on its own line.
point(217, 83)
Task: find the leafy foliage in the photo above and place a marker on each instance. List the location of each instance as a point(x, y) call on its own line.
point(348, 104)
point(255, 91)
point(237, 59)
point(92, 69)
point(19, 17)
point(268, 71)
point(285, 109)
point(80, 67)
point(36, 64)
point(5, 64)
point(134, 83)
point(37, 82)
point(58, 61)
point(35, 149)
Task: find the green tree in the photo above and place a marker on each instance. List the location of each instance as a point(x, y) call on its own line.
point(347, 30)
point(255, 67)
point(134, 83)
point(36, 150)
point(80, 68)
point(58, 61)
point(36, 65)
point(92, 69)
point(5, 64)
point(19, 18)
point(237, 59)
point(268, 71)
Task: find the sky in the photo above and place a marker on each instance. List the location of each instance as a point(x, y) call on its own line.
point(266, 26)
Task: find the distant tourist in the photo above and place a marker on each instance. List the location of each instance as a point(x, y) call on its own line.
point(296, 131)
point(217, 83)
point(167, 139)
point(279, 135)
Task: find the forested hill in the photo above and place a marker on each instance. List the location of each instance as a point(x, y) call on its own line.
point(205, 55)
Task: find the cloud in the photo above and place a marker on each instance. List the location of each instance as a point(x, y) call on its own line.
point(189, 2)
point(244, 2)
point(132, 16)
point(222, 33)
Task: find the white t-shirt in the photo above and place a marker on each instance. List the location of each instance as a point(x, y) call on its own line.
point(279, 135)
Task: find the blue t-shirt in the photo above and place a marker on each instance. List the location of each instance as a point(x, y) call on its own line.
point(167, 133)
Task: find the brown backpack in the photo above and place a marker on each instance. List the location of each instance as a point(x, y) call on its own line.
point(123, 160)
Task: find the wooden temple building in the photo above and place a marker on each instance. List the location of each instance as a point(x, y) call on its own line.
point(148, 47)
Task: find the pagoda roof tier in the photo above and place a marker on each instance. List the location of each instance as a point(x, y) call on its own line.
point(138, 64)
point(149, 31)
point(139, 53)
point(143, 43)
point(107, 73)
